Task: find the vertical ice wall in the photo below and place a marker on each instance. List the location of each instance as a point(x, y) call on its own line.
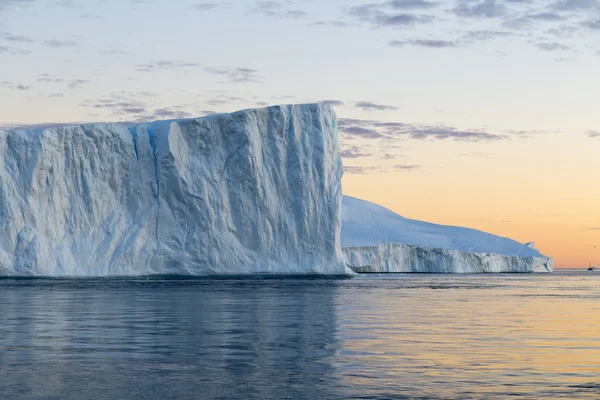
point(253, 192)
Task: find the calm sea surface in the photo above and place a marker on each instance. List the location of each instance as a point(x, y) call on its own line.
point(375, 336)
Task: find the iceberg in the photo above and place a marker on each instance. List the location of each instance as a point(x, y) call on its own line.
point(253, 192)
point(375, 239)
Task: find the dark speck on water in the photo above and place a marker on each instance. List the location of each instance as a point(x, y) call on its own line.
point(373, 337)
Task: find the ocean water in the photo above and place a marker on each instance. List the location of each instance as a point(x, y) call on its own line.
point(371, 337)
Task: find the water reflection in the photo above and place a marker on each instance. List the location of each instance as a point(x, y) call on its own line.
point(394, 336)
point(220, 339)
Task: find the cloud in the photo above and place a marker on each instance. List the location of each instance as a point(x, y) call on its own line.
point(363, 170)
point(113, 52)
point(388, 156)
point(209, 6)
point(575, 5)
point(118, 104)
point(593, 134)
point(165, 65)
point(73, 84)
point(167, 113)
point(378, 18)
point(16, 38)
point(336, 24)
point(5, 4)
point(401, 167)
point(429, 43)
point(370, 129)
point(14, 86)
point(592, 229)
point(278, 9)
point(367, 133)
point(546, 16)
point(354, 152)
point(385, 20)
point(334, 103)
point(483, 9)
point(412, 4)
point(60, 43)
point(563, 31)
point(78, 83)
point(595, 25)
point(483, 35)
point(526, 134)
point(518, 24)
point(368, 106)
point(89, 16)
point(236, 75)
point(223, 99)
point(46, 78)
point(355, 170)
point(13, 51)
point(551, 46)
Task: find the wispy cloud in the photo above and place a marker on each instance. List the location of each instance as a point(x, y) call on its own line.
point(354, 152)
point(16, 38)
point(236, 75)
point(413, 4)
point(592, 24)
point(113, 52)
point(278, 9)
point(209, 6)
point(336, 24)
point(371, 169)
point(575, 5)
point(370, 129)
point(60, 43)
point(368, 106)
point(379, 17)
point(14, 85)
point(166, 65)
point(483, 9)
point(13, 51)
point(551, 46)
point(593, 134)
point(335, 103)
point(484, 35)
point(546, 16)
point(429, 43)
point(78, 83)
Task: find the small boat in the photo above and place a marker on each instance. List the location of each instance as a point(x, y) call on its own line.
point(590, 268)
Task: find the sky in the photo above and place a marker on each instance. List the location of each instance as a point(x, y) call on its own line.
point(464, 112)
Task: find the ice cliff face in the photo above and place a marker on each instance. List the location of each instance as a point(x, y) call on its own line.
point(375, 239)
point(396, 257)
point(253, 192)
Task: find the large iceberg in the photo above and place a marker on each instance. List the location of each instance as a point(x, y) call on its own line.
point(253, 192)
point(375, 239)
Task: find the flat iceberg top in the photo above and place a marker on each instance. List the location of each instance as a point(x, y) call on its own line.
point(153, 125)
point(368, 224)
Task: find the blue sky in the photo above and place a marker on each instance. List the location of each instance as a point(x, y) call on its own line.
point(456, 99)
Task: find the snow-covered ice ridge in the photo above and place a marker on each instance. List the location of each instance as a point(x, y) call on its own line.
point(253, 192)
point(375, 239)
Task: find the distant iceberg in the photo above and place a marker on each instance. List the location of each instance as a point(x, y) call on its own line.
point(253, 192)
point(375, 239)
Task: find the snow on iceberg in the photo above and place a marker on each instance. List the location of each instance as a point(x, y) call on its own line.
point(375, 239)
point(253, 192)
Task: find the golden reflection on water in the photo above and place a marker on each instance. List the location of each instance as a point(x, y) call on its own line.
point(481, 336)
